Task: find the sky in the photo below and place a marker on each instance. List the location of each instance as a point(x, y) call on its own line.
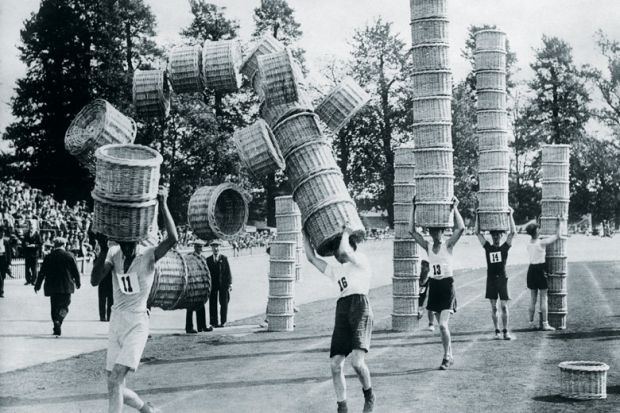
point(328, 25)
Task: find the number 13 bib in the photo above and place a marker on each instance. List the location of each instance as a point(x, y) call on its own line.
point(128, 283)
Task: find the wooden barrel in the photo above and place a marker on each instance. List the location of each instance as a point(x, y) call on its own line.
point(433, 30)
point(281, 76)
point(265, 45)
point(491, 80)
point(296, 130)
point(220, 64)
point(405, 322)
point(583, 380)
point(127, 173)
point(555, 154)
point(490, 60)
point(258, 149)
point(490, 39)
point(341, 104)
point(432, 83)
point(151, 93)
point(319, 186)
point(432, 134)
point(434, 161)
point(405, 248)
point(432, 109)
point(123, 221)
point(97, 124)
point(434, 214)
point(217, 211)
point(424, 9)
point(185, 69)
point(430, 56)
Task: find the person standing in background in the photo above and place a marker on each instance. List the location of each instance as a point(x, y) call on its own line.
point(221, 285)
point(201, 315)
point(31, 249)
point(5, 260)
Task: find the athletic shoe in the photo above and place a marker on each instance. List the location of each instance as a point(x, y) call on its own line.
point(547, 327)
point(431, 327)
point(507, 336)
point(446, 363)
point(369, 403)
point(191, 331)
point(206, 329)
point(497, 335)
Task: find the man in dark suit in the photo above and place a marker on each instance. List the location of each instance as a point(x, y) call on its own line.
point(201, 317)
point(221, 284)
point(5, 260)
point(61, 275)
point(31, 248)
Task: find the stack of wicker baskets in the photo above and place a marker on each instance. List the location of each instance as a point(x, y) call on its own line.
point(288, 225)
point(432, 115)
point(341, 104)
point(492, 129)
point(126, 185)
point(405, 290)
point(281, 305)
point(555, 200)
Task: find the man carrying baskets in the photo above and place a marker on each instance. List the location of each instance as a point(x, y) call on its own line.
point(132, 268)
point(354, 318)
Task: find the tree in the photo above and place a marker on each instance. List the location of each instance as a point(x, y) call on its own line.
point(209, 23)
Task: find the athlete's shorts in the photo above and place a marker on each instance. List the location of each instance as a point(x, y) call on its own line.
point(536, 279)
point(497, 285)
point(441, 295)
point(128, 334)
point(353, 326)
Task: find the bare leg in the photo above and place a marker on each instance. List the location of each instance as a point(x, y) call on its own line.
point(494, 313)
point(504, 307)
point(543, 305)
point(358, 361)
point(431, 318)
point(118, 394)
point(533, 298)
point(444, 318)
point(340, 385)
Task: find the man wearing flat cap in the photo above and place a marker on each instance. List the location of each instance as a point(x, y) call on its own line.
point(201, 315)
point(221, 285)
point(61, 275)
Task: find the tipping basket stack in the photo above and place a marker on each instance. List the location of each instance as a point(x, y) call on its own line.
point(258, 150)
point(126, 184)
point(555, 200)
point(151, 93)
point(341, 104)
point(432, 117)
point(281, 305)
point(288, 225)
point(492, 130)
point(405, 290)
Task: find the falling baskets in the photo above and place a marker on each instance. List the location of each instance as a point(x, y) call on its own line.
point(432, 83)
point(185, 69)
point(319, 186)
point(267, 44)
point(430, 56)
point(423, 9)
point(342, 103)
point(434, 161)
point(308, 159)
point(490, 40)
point(97, 124)
point(127, 173)
point(491, 80)
point(583, 380)
point(123, 221)
point(258, 150)
point(490, 60)
point(181, 281)
point(432, 134)
point(281, 77)
point(555, 154)
point(432, 109)
point(297, 130)
point(217, 211)
point(220, 65)
point(151, 93)
point(433, 30)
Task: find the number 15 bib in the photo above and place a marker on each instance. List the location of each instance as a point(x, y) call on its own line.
point(128, 283)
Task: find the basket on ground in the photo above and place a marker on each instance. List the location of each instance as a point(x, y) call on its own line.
point(583, 380)
point(185, 69)
point(220, 65)
point(151, 93)
point(123, 221)
point(342, 103)
point(258, 149)
point(217, 211)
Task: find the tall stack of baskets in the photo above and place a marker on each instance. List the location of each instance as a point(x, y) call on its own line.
point(405, 290)
point(555, 200)
point(288, 225)
point(492, 130)
point(432, 114)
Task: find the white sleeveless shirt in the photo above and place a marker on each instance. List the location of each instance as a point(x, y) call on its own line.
point(537, 252)
point(440, 264)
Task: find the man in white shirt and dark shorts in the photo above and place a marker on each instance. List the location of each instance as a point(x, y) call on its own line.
point(354, 318)
point(132, 268)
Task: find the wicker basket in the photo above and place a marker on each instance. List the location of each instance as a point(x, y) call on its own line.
point(557, 265)
point(405, 267)
point(557, 302)
point(123, 221)
point(280, 305)
point(282, 250)
point(494, 159)
point(435, 188)
point(280, 322)
point(404, 175)
point(432, 134)
point(432, 109)
point(97, 124)
point(402, 211)
point(127, 173)
point(490, 180)
point(490, 60)
point(405, 248)
point(404, 155)
point(555, 172)
point(151, 93)
point(220, 65)
point(430, 56)
point(584, 380)
point(308, 159)
point(492, 139)
point(556, 190)
point(288, 222)
point(548, 226)
point(493, 200)
point(407, 286)
point(491, 80)
point(402, 230)
point(286, 206)
point(323, 224)
point(422, 9)
point(555, 154)
point(432, 83)
point(185, 69)
point(273, 114)
point(282, 78)
point(404, 192)
point(556, 283)
point(554, 207)
point(181, 281)
point(267, 44)
point(298, 273)
point(491, 99)
point(557, 320)
point(490, 39)
point(258, 150)
point(433, 30)
point(296, 236)
point(434, 214)
point(492, 119)
point(558, 248)
point(319, 186)
point(404, 322)
point(297, 130)
point(341, 104)
point(405, 304)
point(282, 268)
point(281, 287)
point(217, 211)
point(434, 161)
point(497, 220)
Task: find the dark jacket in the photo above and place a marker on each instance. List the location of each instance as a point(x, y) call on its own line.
point(60, 272)
point(220, 271)
point(8, 253)
point(32, 239)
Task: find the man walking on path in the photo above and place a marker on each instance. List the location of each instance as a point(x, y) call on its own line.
point(61, 276)
point(221, 285)
point(354, 317)
point(106, 298)
point(6, 254)
point(31, 247)
point(132, 268)
point(201, 315)
point(497, 281)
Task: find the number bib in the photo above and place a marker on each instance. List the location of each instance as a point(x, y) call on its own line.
point(495, 257)
point(128, 283)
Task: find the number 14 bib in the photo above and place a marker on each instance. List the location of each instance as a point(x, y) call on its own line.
point(128, 283)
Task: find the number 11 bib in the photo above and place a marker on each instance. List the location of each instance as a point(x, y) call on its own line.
point(128, 283)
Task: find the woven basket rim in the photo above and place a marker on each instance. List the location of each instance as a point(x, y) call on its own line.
point(558, 275)
point(433, 71)
point(429, 203)
point(321, 141)
point(489, 31)
point(327, 171)
point(498, 71)
point(102, 154)
point(556, 181)
point(492, 211)
point(491, 171)
point(489, 131)
point(435, 123)
point(499, 51)
point(123, 204)
point(557, 256)
point(283, 242)
point(412, 316)
point(561, 293)
point(430, 44)
point(254, 49)
point(491, 89)
point(556, 200)
point(492, 111)
point(295, 214)
point(436, 97)
point(164, 94)
point(296, 115)
point(555, 163)
point(433, 18)
point(281, 279)
point(324, 203)
point(584, 365)
point(282, 260)
point(437, 149)
point(433, 176)
point(352, 114)
point(492, 191)
point(495, 151)
point(284, 197)
point(556, 145)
